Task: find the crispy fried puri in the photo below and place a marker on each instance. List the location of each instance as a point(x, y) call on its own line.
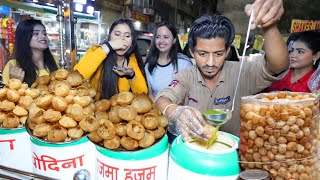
point(147, 140)
point(129, 143)
point(113, 143)
point(106, 130)
point(57, 133)
point(150, 121)
point(124, 98)
point(135, 130)
point(141, 104)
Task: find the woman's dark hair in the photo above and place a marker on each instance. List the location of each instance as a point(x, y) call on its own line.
point(311, 39)
point(23, 53)
point(110, 79)
point(153, 54)
point(211, 26)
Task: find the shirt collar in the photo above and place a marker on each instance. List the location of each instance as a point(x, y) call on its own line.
point(306, 77)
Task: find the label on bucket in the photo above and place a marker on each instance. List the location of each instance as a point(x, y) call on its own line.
point(177, 172)
point(15, 149)
point(61, 161)
point(115, 169)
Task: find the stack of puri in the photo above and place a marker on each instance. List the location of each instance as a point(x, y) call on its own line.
point(128, 121)
point(64, 110)
point(15, 98)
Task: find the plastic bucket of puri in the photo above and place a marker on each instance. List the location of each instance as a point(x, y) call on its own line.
point(15, 149)
point(190, 160)
point(149, 163)
point(131, 141)
point(279, 134)
point(64, 159)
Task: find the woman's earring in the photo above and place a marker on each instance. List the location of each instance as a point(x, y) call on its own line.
point(314, 62)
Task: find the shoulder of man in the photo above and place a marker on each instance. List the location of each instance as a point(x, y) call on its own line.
point(187, 74)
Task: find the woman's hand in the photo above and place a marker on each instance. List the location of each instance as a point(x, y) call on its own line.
point(16, 72)
point(126, 71)
point(118, 44)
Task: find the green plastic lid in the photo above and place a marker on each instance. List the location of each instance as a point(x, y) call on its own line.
point(219, 162)
point(5, 131)
point(41, 142)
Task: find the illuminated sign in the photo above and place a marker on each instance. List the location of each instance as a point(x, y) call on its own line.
point(298, 25)
point(80, 1)
point(81, 6)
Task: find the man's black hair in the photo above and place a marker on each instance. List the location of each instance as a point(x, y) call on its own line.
point(210, 26)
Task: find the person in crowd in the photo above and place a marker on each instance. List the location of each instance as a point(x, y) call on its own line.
point(163, 60)
point(115, 65)
point(304, 54)
point(211, 84)
point(32, 54)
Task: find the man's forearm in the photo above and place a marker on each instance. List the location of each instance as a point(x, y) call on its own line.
point(276, 50)
point(166, 106)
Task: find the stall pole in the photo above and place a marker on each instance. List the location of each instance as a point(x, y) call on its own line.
point(70, 35)
point(60, 19)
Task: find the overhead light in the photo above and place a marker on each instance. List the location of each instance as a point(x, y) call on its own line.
point(90, 10)
point(80, 1)
point(78, 7)
point(101, 30)
point(49, 4)
point(137, 24)
point(35, 1)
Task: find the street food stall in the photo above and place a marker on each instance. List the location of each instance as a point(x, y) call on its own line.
point(55, 129)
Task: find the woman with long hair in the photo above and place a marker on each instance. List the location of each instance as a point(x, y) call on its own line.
point(32, 54)
point(304, 55)
point(163, 59)
point(115, 65)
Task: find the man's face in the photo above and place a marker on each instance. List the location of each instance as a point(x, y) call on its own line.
point(210, 55)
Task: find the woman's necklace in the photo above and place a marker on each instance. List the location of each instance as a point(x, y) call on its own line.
point(123, 62)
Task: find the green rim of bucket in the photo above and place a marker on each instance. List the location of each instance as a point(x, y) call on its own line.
point(12, 131)
point(143, 154)
point(192, 160)
point(51, 144)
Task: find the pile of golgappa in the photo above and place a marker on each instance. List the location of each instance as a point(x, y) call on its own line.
point(279, 133)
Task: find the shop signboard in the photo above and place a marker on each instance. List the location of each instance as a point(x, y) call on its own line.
point(183, 39)
point(237, 41)
point(258, 42)
point(138, 16)
point(4, 10)
point(298, 25)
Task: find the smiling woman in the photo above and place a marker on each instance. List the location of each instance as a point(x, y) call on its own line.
point(115, 65)
point(304, 55)
point(33, 56)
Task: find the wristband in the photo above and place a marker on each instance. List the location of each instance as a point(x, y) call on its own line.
point(109, 46)
point(165, 109)
point(131, 77)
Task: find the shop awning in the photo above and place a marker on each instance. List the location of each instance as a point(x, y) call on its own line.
point(38, 8)
point(21, 5)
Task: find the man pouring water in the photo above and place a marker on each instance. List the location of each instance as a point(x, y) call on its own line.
point(211, 83)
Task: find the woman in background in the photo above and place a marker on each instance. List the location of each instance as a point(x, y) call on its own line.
point(163, 59)
point(304, 54)
point(32, 54)
point(115, 65)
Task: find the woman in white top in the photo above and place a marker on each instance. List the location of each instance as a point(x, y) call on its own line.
point(163, 60)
